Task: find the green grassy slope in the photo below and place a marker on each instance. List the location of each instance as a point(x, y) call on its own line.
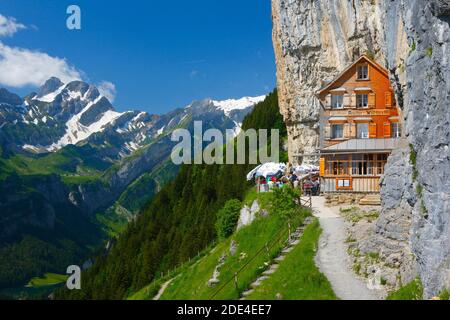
point(297, 277)
point(71, 161)
point(49, 279)
point(192, 282)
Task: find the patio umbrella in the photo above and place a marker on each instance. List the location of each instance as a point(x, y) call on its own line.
point(266, 169)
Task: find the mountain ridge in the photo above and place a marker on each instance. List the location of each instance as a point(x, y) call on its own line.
point(71, 113)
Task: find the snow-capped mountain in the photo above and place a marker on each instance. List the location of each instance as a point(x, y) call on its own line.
point(62, 114)
point(230, 105)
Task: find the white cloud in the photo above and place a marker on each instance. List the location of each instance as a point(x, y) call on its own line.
point(21, 67)
point(9, 26)
point(107, 89)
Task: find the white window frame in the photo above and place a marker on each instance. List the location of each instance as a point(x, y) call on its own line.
point(337, 106)
point(398, 132)
point(359, 73)
point(359, 98)
point(333, 137)
point(365, 135)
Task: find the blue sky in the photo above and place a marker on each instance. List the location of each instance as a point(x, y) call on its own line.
point(159, 54)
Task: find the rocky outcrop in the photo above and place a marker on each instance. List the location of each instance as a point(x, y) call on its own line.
point(393, 228)
point(313, 41)
point(382, 249)
point(248, 215)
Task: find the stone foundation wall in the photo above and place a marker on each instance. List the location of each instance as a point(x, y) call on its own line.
point(336, 198)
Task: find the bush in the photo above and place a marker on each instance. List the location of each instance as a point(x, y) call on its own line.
point(227, 218)
point(284, 201)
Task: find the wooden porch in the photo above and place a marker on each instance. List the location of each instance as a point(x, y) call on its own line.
point(352, 172)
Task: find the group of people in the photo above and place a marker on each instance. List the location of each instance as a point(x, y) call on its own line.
point(310, 185)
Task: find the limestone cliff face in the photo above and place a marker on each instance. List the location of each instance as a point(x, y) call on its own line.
point(423, 83)
point(313, 42)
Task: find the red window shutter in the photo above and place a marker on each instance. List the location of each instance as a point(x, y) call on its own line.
point(387, 129)
point(372, 130)
point(352, 101)
point(322, 167)
point(372, 100)
point(353, 129)
point(347, 100)
point(388, 99)
point(347, 130)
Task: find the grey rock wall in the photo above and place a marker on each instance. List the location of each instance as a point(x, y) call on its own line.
point(426, 109)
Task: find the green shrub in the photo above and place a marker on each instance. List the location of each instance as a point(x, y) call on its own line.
point(227, 218)
point(357, 268)
point(444, 295)
point(373, 255)
point(284, 201)
point(411, 291)
point(413, 161)
point(370, 54)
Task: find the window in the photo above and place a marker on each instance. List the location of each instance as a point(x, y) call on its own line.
point(362, 130)
point(337, 101)
point(362, 100)
point(396, 130)
point(344, 183)
point(363, 72)
point(337, 131)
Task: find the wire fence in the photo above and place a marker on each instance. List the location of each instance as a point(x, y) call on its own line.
point(284, 233)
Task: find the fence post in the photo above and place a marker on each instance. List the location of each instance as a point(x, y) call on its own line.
point(289, 227)
point(310, 200)
point(236, 280)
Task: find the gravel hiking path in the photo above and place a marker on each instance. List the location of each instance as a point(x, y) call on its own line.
point(162, 290)
point(332, 257)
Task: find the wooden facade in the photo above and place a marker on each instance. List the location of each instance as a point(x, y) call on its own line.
point(358, 105)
